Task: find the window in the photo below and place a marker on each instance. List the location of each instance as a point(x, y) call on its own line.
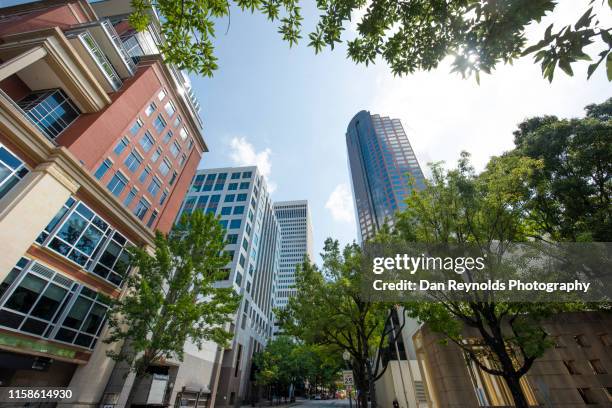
point(130, 196)
point(245, 185)
point(51, 111)
point(183, 159)
point(117, 184)
point(164, 167)
point(177, 121)
point(132, 161)
point(167, 137)
point(226, 210)
point(150, 109)
point(223, 223)
point(587, 395)
point(152, 218)
point(238, 358)
point(241, 197)
point(121, 145)
point(159, 124)
point(146, 141)
point(155, 155)
point(173, 178)
point(239, 209)
point(232, 186)
point(235, 176)
point(163, 197)
point(162, 94)
point(154, 187)
point(145, 174)
point(232, 239)
point(106, 164)
point(183, 133)
point(136, 127)
point(235, 224)
point(247, 174)
point(142, 208)
point(571, 367)
point(230, 198)
point(242, 261)
point(113, 263)
point(245, 244)
point(170, 109)
point(597, 367)
point(581, 341)
point(190, 144)
point(175, 149)
point(197, 183)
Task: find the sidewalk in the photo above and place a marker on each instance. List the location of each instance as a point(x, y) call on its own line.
point(266, 403)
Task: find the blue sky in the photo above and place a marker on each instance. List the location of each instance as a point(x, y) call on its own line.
point(286, 109)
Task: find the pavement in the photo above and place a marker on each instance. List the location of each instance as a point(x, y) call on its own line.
point(303, 403)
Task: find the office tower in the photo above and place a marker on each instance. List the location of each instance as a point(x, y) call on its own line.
point(239, 196)
point(384, 169)
point(382, 165)
point(296, 243)
point(97, 149)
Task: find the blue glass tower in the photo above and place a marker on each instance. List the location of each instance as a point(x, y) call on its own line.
point(382, 164)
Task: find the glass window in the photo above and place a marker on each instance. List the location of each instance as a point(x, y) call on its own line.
point(223, 223)
point(106, 164)
point(183, 159)
point(230, 198)
point(170, 109)
point(241, 197)
point(12, 169)
point(132, 161)
point(190, 144)
point(146, 141)
point(239, 209)
point(51, 111)
point(233, 186)
point(161, 95)
point(114, 261)
point(159, 124)
point(164, 167)
point(197, 183)
point(144, 175)
point(154, 187)
point(183, 133)
point(226, 210)
point(130, 196)
point(136, 127)
point(235, 223)
point(175, 149)
point(173, 178)
point(142, 208)
point(163, 197)
point(117, 184)
point(232, 238)
point(235, 176)
point(247, 174)
point(121, 145)
point(177, 121)
point(150, 109)
point(244, 185)
point(152, 219)
point(155, 155)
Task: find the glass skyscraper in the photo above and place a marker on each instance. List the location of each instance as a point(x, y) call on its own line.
point(383, 170)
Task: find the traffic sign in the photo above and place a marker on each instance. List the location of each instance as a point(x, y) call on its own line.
point(347, 376)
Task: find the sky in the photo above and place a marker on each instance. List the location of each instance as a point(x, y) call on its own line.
point(286, 110)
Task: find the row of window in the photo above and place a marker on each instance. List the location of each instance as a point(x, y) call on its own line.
point(12, 169)
point(41, 302)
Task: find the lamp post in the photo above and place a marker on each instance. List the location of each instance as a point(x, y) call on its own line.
point(346, 356)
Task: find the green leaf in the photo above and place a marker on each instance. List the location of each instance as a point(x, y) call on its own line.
point(606, 36)
point(585, 20)
point(609, 66)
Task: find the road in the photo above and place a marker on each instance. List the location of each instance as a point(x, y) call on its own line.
point(337, 403)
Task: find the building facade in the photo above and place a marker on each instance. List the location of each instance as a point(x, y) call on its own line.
point(296, 243)
point(98, 145)
point(239, 196)
point(383, 169)
point(573, 373)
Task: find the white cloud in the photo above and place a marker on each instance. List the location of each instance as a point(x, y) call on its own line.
point(243, 153)
point(340, 204)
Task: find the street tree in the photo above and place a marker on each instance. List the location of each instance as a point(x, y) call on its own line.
point(408, 35)
point(330, 309)
point(170, 298)
point(486, 210)
point(570, 192)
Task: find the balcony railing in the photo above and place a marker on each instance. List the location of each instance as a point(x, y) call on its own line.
point(112, 33)
point(103, 63)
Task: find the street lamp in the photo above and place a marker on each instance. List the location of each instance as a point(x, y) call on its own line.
point(346, 356)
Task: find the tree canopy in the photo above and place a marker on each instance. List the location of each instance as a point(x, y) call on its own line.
point(409, 35)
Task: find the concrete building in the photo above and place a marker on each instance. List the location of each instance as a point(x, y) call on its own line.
point(239, 195)
point(574, 373)
point(296, 243)
point(99, 140)
point(383, 169)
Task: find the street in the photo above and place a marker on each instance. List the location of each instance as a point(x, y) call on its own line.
point(337, 403)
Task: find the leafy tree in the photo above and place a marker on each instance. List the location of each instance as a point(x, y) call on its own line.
point(170, 298)
point(572, 189)
point(408, 35)
point(330, 309)
point(488, 211)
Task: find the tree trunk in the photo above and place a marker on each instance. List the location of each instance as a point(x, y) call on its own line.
point(372, 385)
point(513, 382)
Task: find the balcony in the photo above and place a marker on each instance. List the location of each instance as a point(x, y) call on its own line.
point(89, 50)
point(51, 111)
